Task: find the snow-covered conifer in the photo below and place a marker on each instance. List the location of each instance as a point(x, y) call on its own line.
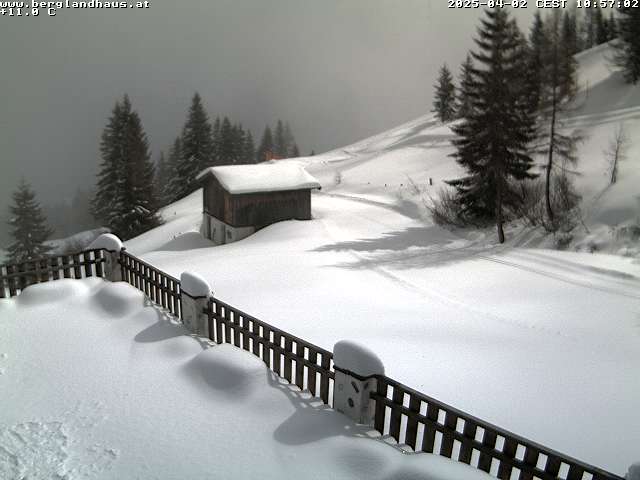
point(444, 102)
point(28, 226)
point(493, 141)
point(628, 43)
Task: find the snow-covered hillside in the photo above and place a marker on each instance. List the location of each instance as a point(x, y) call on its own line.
point(532, 339)
point(395, 166)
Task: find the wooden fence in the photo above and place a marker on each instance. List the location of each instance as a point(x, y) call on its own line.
point(299, 362)
point(159, 287)
point(16, 277)
point(428, 425)
point(412, 419)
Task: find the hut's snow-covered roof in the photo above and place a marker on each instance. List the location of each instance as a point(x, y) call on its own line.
point(264, 177)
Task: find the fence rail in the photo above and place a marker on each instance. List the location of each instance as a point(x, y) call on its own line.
point(16, 277)
point(411, 418)
point(428, 425)
point(297, 361)
point(161, 288)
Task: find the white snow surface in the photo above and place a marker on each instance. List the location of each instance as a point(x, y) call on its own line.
point(194, 284)
point(527, 337)
point(75, 243)
point(107, 241)
point(265, 177)
point(100, 385)
point(357, 358)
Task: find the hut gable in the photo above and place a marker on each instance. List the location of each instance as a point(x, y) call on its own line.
point(240, 199)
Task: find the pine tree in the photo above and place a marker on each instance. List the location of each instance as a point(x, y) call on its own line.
point(110, 167)
point(238, 143)
point(29, 227)
point(162, 180)
point(226, 143)
point(570, 32)
point(295, 151)
point(444, 103)
point(492, 143)
point(175, 187)
point(249, 151)
point(290, 141)
point(125, 200)
point(265, 150)
point(538, 45)
point(279, 141)
point(217, 126)
point(464, 100)
point(588, 29)
point(139, 200)
point(613, 27)
point(197, 143)
point(628, 44)
point(601, 27)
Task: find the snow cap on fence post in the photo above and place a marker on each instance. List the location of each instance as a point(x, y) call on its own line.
point(355, 365)
point(634, 472)
point(195, 295)
point(112, 246)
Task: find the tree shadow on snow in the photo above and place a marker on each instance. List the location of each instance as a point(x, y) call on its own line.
point(415, 247)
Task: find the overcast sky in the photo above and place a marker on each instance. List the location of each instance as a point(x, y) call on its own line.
point(337, 70)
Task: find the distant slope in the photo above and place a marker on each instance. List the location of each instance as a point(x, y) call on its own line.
point(397, 166)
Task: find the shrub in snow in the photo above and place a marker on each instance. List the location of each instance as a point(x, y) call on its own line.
point(194, 285)
point(357, 358)
point(634, 472)
point(562, 240)
point(445, 208)
point(107, 241)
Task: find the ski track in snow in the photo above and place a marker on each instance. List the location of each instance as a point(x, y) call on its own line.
point(334, 231)
point(475, 249)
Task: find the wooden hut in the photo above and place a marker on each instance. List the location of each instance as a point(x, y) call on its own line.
point(240, 199)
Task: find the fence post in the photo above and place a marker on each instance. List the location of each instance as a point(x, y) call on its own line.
point(195, 293)
point(355, 369)
point(111, 246)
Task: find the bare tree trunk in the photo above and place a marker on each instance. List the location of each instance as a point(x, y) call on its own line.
point(616, 151)
point(552, 136)
point(499, 219)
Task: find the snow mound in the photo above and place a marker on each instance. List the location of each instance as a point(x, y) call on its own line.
point(107, 241)
point(194, 285)
point(266, 177)
point(357, 358)
point(75, 243)
point(53, 292)
point(118, 298)
point(186, 241)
